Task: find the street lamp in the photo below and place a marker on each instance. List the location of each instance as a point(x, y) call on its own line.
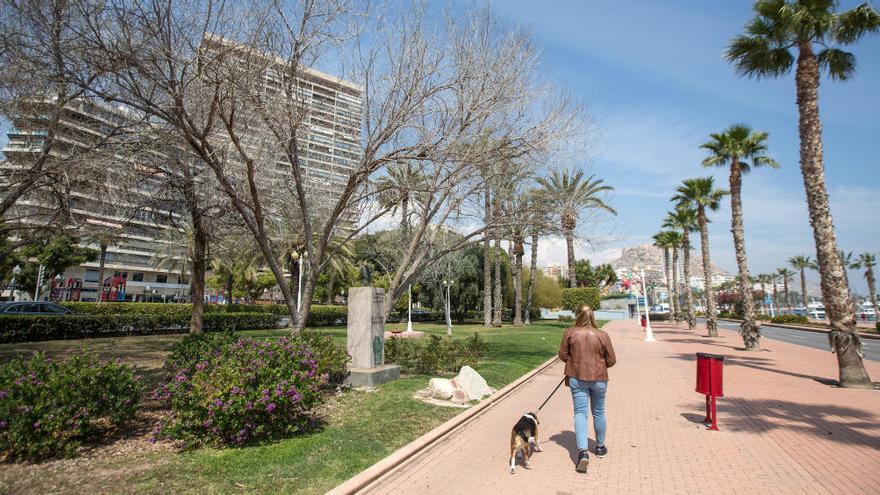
point(409, 310)
point(649, 334)
point(57, 278)
point(147, 293)
point(15, 273)
point(448, 284)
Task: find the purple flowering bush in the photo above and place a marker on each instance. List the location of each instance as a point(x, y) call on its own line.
point(50, 407)
point(250, 390)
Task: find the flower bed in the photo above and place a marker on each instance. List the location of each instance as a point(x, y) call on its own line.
point(245, 390)
point(48, 408)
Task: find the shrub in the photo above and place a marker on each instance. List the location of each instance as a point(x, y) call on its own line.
point(572, 298)
point(37, 328)
point(762, 317)
point(252, 390)
point(566, 319)
point(48, 408)
point(322, 316)
point(332, 358)
point(789, 319)
point(437, 354)
point(194, 349)
point(659, 316)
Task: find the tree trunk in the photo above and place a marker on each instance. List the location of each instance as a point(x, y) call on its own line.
point(572, 271)
point(101, 272)
point(532, 274)
point(763, 297)
point(787, 295)
point(293, 270)
point(804, 288)
point(197, 280)
point(688, 293)
point(676, 311)
point(750, 330)
point(499, 294)
point(517, 281)
point(844, 339)
point(775, 295)
point(229, 286)
point(487, 268)
point(872, 289)
point(711, 324)
point(668, 274)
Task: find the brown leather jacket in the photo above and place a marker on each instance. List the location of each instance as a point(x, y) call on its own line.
point(587, 353)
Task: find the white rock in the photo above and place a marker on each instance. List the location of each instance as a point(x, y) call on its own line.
point(441, 388)
point(474, 386)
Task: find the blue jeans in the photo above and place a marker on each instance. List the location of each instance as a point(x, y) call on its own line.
point(583, 394)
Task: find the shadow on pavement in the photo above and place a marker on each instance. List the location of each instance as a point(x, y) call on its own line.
point(754, 362)
point(843, 424)
point(568, 440)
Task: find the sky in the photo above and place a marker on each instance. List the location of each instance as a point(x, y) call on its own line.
point(656, 85)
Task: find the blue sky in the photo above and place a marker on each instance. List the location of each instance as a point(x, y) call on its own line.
point(656, 85)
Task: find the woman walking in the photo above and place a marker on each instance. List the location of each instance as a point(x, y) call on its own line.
point(587, 353)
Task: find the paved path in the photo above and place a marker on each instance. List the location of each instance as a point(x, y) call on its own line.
point(781, 430)
point(816, 340)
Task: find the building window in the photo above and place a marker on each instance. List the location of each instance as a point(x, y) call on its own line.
point(137, 277)
point(92, 275)
point(161, 278)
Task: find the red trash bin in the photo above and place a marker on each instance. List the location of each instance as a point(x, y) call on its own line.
point(710, 382)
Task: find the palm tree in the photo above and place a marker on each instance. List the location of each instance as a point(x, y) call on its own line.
point(801, 262)
point(539, 223)
point(764, 279)
point(701, 193)
point(103, 234)
point(570, 192)
point(665, 240)
point(397, 188)
point(779, 28)
point(684, 219)
point(868, 261)
point(785, 274)
point(736, 147)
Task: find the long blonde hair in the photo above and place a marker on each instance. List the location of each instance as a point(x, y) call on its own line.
point(585, 317)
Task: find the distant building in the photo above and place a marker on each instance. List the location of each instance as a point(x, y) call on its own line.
point(330, 150)
point(557, 272)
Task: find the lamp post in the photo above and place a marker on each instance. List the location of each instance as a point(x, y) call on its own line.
point(409, 310)
point(15, 273)
point(448, 284)
point(147, 293)
point(649, 334)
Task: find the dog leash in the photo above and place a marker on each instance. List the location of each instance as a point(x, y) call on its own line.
point(553, 392)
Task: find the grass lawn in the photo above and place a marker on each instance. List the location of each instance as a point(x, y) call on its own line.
point(361, 427)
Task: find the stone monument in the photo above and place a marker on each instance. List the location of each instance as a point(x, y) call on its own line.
point(366, 339)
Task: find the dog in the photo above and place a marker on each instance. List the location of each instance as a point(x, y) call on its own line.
point(524, 439)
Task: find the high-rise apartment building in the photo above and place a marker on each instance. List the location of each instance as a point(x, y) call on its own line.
point(329, 152)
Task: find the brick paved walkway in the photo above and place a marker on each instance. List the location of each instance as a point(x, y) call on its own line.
point(781, 430)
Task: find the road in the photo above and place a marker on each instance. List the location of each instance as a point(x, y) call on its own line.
point(871, 348)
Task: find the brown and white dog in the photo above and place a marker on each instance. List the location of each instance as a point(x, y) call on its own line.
point(522, 438)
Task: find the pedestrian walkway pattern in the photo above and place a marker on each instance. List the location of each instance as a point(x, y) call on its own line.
point(782, 430)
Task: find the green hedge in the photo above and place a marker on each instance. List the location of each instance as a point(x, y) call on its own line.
point(789, 319)
point(572, 298)
point(36, 328)
point(145, 308)
point(319, 315)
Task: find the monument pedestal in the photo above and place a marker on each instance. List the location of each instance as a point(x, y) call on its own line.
point(371, 377)
point(366, 339)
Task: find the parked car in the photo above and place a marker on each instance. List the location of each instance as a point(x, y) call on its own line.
point(33, 308)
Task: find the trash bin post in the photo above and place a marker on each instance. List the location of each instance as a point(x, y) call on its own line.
point(710, 382)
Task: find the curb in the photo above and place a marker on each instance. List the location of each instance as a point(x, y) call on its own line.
point(369, 477)
point(863, 335)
